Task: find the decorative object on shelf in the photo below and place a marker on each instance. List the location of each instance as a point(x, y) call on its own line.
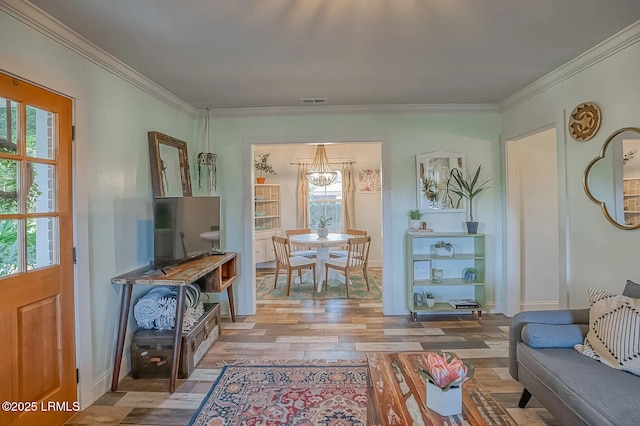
point(464, 304)
point(469, 274)
point(444, 249)
point(418, 299)
point(433, 181)
point(430, 299)
point(607, 175)
point(468, 188)
point(445, 375)
point(414, 219)
point(437, 274)
point(262, 166)
point(323, 231)
point(320, 172)
point(206, 160)
point(421, 269)
point(584, 121)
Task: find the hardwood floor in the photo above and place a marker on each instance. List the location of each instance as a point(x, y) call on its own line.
point(322, 329)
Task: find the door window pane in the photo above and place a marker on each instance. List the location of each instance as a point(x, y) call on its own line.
point(8, 126)
point(9, 173)
point(9, 261)
point(40, 135)
point(42, 242)
point(41, 191)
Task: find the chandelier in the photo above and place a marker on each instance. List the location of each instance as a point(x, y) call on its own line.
point(320, 173)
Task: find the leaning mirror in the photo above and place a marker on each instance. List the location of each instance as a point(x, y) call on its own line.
point(169, 166)
point(433, 181)
point(612, 179)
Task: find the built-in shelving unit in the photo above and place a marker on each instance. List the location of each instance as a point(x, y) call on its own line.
point(267, 220)
point(467, 251)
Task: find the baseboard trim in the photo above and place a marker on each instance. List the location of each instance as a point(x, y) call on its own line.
point(103, 385)
point(539, 306)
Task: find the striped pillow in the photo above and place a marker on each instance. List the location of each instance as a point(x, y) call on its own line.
point(614, 330)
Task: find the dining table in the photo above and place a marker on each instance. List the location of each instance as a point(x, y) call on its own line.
point(322, 245)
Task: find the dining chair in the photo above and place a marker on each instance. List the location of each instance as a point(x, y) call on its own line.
point(356, 260)
point(342, 252)
point(299, 249)
point(285, 261)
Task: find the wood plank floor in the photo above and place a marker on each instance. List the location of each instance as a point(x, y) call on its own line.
point(322, 329)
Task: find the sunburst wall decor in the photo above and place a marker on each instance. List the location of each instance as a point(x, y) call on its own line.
point(584, 121)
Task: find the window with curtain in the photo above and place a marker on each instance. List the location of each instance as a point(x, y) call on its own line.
point(326, 201)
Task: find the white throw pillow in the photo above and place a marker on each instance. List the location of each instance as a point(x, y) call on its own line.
point(614, 330)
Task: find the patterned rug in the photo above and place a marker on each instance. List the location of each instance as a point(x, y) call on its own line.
point(306, 291)
point(273, 395)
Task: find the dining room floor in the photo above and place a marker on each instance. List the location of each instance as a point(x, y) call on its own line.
point(322, 329)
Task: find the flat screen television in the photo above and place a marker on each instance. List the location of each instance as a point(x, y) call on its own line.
point(184, 228)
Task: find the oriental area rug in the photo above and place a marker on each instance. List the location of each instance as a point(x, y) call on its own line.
point(306, 290)
point(304, 395)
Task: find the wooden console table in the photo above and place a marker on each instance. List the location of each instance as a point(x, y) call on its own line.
point(218, 273)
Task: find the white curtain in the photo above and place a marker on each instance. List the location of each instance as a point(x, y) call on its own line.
point(302, 214)
point(348, 190)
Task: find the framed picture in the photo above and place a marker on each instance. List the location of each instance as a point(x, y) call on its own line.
point(433, 182)
point(369, 181)
point(421, 270)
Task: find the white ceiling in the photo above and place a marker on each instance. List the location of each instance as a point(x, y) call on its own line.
point(265, 53)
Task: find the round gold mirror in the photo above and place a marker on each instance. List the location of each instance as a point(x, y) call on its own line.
point(612, 179)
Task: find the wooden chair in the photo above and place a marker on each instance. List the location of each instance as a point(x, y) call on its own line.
point(342, 252)
point(285, 261)
point(356, 260)
point(299, 249)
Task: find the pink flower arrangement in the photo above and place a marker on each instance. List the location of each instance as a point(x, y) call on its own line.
point(446, 370)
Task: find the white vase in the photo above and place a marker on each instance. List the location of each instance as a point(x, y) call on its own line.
point(323, 232)
point(445, 403)
point(431, 302)
point(414, 223)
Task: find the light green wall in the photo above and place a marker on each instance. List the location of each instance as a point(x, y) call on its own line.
point(112, 182)
point(402, 136)
point(598, 254)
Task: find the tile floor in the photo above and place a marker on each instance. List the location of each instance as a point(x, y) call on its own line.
point(315, 329)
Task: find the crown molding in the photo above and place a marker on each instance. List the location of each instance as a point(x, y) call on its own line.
point(356, 110)
point(614, 44)
point(36, 19)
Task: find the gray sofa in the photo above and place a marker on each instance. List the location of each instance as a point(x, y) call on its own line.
point(576, 389)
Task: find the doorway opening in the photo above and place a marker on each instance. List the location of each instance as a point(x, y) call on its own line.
point(281, 205)
point(533, 230)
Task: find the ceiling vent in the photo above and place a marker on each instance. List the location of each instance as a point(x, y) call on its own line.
point(313, 101)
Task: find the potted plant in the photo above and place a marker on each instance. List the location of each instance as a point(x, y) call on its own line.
point(323, 231)
point(468, 187)
point(262, 166)
point(414, 219)
point(445, 375)
point(431, 299)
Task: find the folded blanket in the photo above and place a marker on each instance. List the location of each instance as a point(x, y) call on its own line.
point(157, 308)
point(146, 310)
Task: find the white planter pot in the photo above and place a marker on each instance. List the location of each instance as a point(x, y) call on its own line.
point(431, 302)
point(323, 232)
point(414, 223)
point(447, 403)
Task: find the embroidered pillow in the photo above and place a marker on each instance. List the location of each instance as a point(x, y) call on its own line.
point(614, 330)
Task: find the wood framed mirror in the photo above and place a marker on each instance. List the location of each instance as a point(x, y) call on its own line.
point(169, 159)
point(433, 182)
point(612, 179)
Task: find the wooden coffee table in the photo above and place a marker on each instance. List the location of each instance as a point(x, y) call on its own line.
point(396, 395)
